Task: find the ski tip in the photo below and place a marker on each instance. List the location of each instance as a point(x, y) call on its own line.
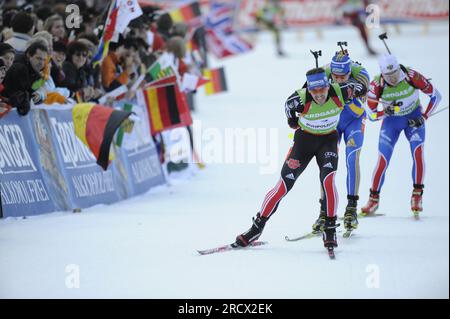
point(331, 253)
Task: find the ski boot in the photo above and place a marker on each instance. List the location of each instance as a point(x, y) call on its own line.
point(372, 205)
point(253, 233)
point(416, 200)
point(329, 232)
point(320, 222)
point(350, 215)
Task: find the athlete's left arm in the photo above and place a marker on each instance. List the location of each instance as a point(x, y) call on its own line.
point(352, 89)
point(363, 77)
point(423, 84)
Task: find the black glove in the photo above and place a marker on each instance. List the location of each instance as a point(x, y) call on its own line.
point(21, 101)
point(359, 90)
point(293, 122)
point(417, 122)
point(389, 109)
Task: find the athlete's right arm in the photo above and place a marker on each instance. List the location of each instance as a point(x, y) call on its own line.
point(293, 105)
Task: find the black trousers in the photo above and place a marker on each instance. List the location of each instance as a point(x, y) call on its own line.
point(307, 146)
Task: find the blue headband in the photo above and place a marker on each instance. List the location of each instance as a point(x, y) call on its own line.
point(318, 80)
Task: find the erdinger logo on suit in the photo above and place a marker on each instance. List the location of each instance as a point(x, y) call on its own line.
point(293, 163)
point(14, 155)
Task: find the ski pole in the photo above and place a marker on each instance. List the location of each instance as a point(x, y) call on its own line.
point(437, 112)
point(383, 38)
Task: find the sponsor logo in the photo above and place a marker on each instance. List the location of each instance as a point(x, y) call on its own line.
point(322, 114)
point(293, 163)
point(290, 176)
point(74, 152)
point(330, 154)
point(351, 143)
point(328, 165)
point(398, 94)
point(14, 155)
point(415, 138)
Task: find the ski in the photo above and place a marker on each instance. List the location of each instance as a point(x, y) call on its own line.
point(307, 236)
point(229, 247)
point(331, 254)
point(364, 215)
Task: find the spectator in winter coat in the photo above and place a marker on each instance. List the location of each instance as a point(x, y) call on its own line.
point(74, 69)
point(25, 78)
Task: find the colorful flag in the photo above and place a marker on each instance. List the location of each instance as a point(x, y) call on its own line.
point(218, 82)
point(95, 125)
point(192, 82)
point(121, 133)
point(128, 10)
point(110, 29)
point(167, 107)
point(160, 69)
point(163, 82)
point(186, 13)
point(221, 39)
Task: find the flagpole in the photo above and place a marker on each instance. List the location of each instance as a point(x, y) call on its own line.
point(102, 44)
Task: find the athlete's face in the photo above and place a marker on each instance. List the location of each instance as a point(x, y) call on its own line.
point(340, 78)
point(392, 78)
point(320, 94)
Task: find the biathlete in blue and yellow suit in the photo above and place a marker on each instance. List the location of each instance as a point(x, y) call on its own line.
point(351, 126)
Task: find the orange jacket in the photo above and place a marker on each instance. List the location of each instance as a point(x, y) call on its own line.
point(110, 71)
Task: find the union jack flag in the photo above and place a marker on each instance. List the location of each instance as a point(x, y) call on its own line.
point(220, 36)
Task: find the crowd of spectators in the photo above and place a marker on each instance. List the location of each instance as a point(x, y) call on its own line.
point(47, 58)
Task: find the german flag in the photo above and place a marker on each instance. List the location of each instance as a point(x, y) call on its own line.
point(218, 81)
point(186, 13)
point(168, 108)
point(95, 125)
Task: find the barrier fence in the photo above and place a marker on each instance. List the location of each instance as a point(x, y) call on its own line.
point(44, 167)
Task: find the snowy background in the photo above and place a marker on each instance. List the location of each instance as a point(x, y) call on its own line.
point(146, 247)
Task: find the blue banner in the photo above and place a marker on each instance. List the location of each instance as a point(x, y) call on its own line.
point(144, 168)
point(44, 167)
point(139, 154)
point(88, 184)
point(22, 185)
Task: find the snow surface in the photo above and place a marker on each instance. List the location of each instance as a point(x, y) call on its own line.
point(145, 247)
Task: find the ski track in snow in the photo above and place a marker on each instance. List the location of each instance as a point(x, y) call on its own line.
point(145, 247)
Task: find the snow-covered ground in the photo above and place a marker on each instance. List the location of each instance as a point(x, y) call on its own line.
point(145, 247)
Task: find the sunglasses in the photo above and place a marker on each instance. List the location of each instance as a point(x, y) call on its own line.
point(81, 54)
